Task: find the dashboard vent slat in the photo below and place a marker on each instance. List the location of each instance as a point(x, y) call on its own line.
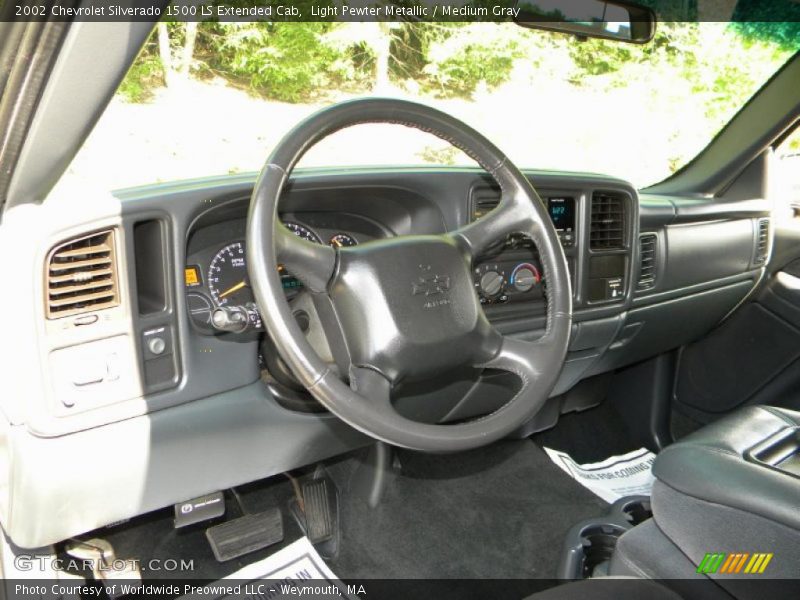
point(484, 198)
point(77, 264)
point(607, 230)
point(82, 276)
point(762, 242)
point(69, 277)
point(648, 244)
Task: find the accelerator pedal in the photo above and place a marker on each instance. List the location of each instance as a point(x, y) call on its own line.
point(246, 534)
point(320, 510)
point(318, 515)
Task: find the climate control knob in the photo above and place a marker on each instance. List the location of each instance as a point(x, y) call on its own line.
point(491, 284)
point(525, 277)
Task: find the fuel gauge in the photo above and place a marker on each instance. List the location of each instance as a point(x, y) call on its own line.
point(200, 308)
point(340, 240)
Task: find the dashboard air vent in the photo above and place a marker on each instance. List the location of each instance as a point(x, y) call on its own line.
point(82, 276)
point(647, 253)
point(607, 230)
point(484, 199)
point(762, 242)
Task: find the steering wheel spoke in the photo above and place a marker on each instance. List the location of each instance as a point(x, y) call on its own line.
point(372, 385)
point(313, 264)
point(511, 215)
point(525, 359)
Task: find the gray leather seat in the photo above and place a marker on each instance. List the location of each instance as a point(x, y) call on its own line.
point(731, 487)
point(716, 465)
point(608, 589)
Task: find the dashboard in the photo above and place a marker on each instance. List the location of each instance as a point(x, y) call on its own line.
point(127, 357)
point(179, 306)
point(626, 287)
point(217, 282)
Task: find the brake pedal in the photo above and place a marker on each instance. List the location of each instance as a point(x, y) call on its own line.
point(315, 507)
point(246, 534)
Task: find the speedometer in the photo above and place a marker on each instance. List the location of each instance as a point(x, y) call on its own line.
point(228, 281)
point(303, 232)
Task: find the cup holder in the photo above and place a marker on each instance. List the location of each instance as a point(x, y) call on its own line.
point(598, 541)
point(636, 510)
point(591, 543)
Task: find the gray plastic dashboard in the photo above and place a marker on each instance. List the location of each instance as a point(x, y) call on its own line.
point(205, 421)
point(704, 258)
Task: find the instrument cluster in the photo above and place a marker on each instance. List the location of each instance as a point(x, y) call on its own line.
point(218, 283)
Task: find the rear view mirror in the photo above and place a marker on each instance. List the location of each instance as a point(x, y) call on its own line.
point(622, 21)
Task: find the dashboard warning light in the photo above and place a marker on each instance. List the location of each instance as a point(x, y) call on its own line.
point(192, 276)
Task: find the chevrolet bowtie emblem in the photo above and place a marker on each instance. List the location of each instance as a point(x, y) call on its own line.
point(430, 285)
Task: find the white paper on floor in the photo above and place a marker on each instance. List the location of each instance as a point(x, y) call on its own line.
point(613, 478)
point(294, 571)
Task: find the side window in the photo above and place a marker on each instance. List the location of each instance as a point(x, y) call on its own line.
point(788, 176)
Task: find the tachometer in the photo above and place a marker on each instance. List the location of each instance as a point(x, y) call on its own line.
point(303, 232)
point(228, 281)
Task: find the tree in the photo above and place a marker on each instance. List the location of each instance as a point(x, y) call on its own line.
point(176, 45)
point(165, 53)
point(375, 37)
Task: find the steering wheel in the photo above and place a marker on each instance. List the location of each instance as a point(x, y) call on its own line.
point(404, 308)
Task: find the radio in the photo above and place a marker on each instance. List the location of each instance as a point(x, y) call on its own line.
point(562, 213)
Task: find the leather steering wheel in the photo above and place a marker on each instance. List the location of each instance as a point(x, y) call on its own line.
point(404, 308)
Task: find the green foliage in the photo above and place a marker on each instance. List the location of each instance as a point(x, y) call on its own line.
point(599, 57)
point(283, 61)
point(786, 35)
point(791, 144)
point(774, 21)
point(463, 57)
point(304, 62)
point(439, 156)
point(144, 76)
point(733, 61)
point(409, 48)
point(460, 75)
point(673, 45)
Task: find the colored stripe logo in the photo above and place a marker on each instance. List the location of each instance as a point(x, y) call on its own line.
point(725, 563)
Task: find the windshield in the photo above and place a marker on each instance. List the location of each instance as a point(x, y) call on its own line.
point(214, 98)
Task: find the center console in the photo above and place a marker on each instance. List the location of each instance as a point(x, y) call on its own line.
point(596, 229)
point(516, 274)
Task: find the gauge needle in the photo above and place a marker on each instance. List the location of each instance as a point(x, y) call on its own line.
point(235, 288)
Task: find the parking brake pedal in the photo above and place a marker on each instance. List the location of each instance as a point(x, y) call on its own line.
point(246, 534)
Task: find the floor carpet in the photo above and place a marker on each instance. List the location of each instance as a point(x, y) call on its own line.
point(485, 523)
point(498, 512)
